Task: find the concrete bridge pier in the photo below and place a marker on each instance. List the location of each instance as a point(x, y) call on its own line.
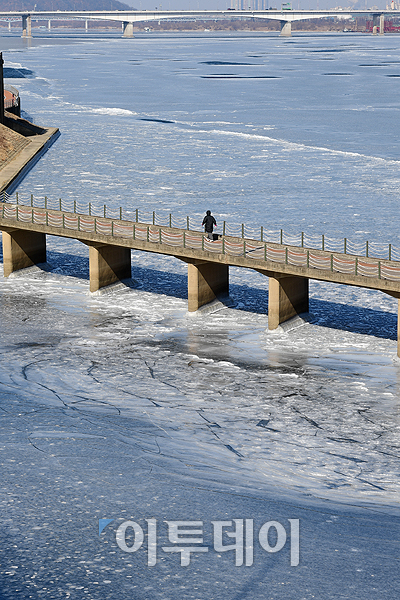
point(107, 264)
point(378, 21)
point(286, 28)
point(397, 296)
point(128, 29)
point(206, 281)
point(398, 327)
point(287, 297)
point(26, 26)
point(22, 249)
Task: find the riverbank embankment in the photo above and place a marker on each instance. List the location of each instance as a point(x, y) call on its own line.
point(21, 145)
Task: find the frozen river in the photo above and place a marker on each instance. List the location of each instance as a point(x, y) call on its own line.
point(124, 406)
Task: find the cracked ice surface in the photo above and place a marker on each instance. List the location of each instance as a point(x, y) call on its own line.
point(218, 398)
point(124, 407)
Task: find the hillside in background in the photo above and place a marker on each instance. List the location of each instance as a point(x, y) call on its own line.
point(51, 5)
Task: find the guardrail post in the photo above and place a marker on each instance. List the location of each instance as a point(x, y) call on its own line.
point(202, 242)
point(223, 227)
point(345, 245)
point(45, 202)
point(60, 204)
point(332, 263)
point(187, 223)
point(90, 209)
point(170, 220)
point(95, 225)
point(366, 248)
point(242, 230)
point(184, 239)
point(63, 221)
point(265, 252)
point(160, 239)
point(120, 213)
point(323, 242)
point(105, 210)
point(112, 228)
point(286, 255)
point(148, 233)
point(154, 217)
point(379, 269)
point(137, 215)
point(79, 223)
point(244, 247)
point(308, 259)
point(281, 236)
point(302, 239)
point(390, 251)
point(47, 218)
point(262, 233)
point(223, 245)
point(31, 199)
point(356, 266)
point(16, 212)
point(134, 231)
point(32, 215)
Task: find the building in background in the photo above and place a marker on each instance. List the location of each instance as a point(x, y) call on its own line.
point(249, 4)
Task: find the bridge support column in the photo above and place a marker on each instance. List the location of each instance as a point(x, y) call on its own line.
point(108, 264)
point(287, 297)
point(206, 281)
point(398, 328)
point(27, 26)
point(378, 21)
point(286, 28)
point(128, 29)
point(22, 249)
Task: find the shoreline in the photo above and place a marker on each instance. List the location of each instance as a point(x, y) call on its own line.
point(15, 170)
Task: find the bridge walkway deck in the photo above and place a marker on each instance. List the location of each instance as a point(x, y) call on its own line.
point(110, 241)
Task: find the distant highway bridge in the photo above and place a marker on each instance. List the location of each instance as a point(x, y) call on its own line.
point(129, 17)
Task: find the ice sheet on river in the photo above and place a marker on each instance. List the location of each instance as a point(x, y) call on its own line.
point(212, 397)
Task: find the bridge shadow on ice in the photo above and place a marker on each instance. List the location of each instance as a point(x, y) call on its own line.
point(325, 313)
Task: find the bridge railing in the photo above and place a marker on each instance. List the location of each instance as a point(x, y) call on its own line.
point(366, 248)
point(259, 251)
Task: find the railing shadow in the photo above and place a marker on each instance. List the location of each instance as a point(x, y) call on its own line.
point(325, 313)
point(344, 317)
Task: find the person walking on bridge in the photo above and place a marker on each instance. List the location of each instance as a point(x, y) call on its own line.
point(209, 222)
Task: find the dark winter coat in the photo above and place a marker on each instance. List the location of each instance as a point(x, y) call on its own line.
point(209, 223)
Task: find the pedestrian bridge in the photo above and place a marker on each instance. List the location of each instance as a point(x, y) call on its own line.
point(111, 237)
